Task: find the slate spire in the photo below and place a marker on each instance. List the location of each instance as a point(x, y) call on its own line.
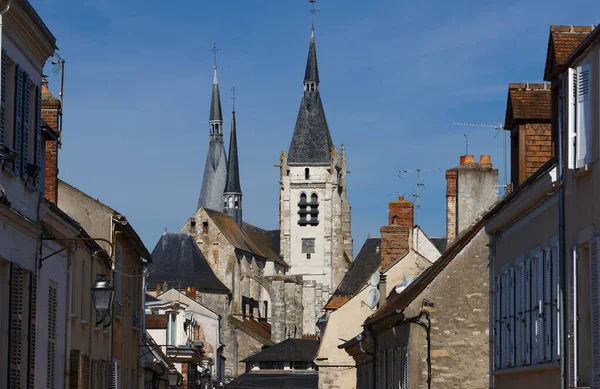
point(311, 143)
point(232, 203)
point(215, 170)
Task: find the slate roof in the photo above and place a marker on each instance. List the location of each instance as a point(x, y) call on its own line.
point(439, 243)
point(232, 184)
point(528, 102)
point(290, 350)
point(275, 381)
point(311, 142)
point(562, 42)
point(215, 101)
point(248, 238)
point(178, 258)
point(366, 262)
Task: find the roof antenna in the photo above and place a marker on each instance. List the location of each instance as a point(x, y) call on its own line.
point(313, 11)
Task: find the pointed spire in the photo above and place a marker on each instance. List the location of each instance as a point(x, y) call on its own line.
point(232, 185)
point(215, 104)
point(312, 71)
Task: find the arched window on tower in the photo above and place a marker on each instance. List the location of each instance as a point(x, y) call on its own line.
point(306, 173)
point(237, 202)
point(230, 202)
point(314, 209)
point(302, 210)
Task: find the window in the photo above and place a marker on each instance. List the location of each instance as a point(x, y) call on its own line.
point(237, 202)
point(308, 212)
point(306, 173)
point(579, 116)
point(302, 210)
point(193, 223)
point(205, 227)
point(52, 308)
point(402, 368)
point(526, 311)
point(307, 256)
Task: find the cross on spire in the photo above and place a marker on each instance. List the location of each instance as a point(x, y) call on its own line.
point(313, 11)
point(215, 50)
point(233, 97)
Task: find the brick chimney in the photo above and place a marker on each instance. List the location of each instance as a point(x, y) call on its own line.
point(471, 189)
point(51, 117)
point(396, 237)
point(191, 293)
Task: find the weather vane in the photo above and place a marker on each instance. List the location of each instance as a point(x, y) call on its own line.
point(313, 11)
point(233, 97)
point(215, 50)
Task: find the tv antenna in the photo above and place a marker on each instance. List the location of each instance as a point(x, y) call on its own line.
point(498, 128)
point(420, 186)
point(59, 67)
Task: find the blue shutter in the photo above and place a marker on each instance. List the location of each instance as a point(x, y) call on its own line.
point(3, 102)
point(38, 146)
point(527, 309)
point(520, 313)
point(25, 126)
point(18, 118)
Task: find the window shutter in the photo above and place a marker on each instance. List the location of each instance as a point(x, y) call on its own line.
point(511, 317)
point(548, 310)
point(497, 323)
point(25, 127)
point(520, 314)
point(572, 309)
point(555, 303)
point(18, 141)
point(403, 368)
point(86, 372)
point(112, 375)
point(571, 121)
point(52, 306)
point(38, 146)
point(595, 311)
point(3, 101)
point(15, 323)
point(389, 369)
point(32, 328)
point(539, 306)
point(527, 308)
point(75, 369)
point(584, 124)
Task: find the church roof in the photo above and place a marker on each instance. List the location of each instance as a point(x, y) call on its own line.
point(177, 257)
point(365, 264)
point(311, 142)
point(215, 101)
point(247, 238)
point(290, 350)
point(232, 184)
point(215, 176)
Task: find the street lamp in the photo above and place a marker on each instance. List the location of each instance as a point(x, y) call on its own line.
point(102, 295)
point(173, 376)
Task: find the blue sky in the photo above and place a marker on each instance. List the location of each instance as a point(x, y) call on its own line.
point(394, 76)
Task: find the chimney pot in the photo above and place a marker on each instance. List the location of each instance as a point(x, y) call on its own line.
point(485, 159)
point(467, 160)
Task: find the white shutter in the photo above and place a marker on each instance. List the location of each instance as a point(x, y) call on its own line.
point(556, 339)
point(25, 127)
point(571, 122)
point(584, 124)
point(18, 119)
point(527, 309)
point(497, 323)
point(520, 314)
point(511, 317)
point(548, 311)
point(51, 357)
point(32, 327)
point(38, 146)
point(595, 311)
point(15, 326)
point(539, 306)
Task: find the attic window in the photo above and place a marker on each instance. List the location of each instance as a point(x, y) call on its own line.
point(205, 227)
point(193, 223)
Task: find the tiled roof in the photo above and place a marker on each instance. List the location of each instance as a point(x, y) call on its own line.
point(528, 102)
point(177, 257)
point(270, 380)
point(253, 329)
point(336, 301)
point(249, 238)
point(290, 350)
point(563, 40)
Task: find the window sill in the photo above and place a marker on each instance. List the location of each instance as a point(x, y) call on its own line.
point(83, 322)
point(540, 367)
point(582, 171)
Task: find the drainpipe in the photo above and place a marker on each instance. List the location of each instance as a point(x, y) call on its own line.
point(491, 310)
point(564, 318)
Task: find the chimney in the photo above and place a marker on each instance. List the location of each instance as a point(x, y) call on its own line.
point(51, 116)
point(382, 290)
point(191, 293)
point(471, 190)
point(396, 237)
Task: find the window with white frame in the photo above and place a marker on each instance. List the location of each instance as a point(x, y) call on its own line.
point(526, 311)
point(579, 123)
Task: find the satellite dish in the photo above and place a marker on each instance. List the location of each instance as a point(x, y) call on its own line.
point(375, 279)
point(373, 298)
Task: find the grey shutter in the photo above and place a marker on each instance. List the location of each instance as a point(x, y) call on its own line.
point(595, 311)
point(86, 372)
point(572, 308)
point(15, 323)
point(511, 317)
point(111, 376)
point(539, 306)
point(3, 101)
point(38, 146)
point(389, 368)
point(405, 368)
point(18, 118)
point(25, 126)
point(52, 307)
point(32, 328)
point(507, 346)
point(75, 367)
point(497, 323)
point(527, 309)
point(584, 124)
point(548, 310)
point(571, 121)
point(555, 303)
point(520, 313)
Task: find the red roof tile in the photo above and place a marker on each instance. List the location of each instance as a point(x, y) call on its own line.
point(563, 40)
point(528, 102)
